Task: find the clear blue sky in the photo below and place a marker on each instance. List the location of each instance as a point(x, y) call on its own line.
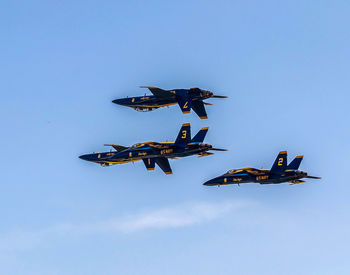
point(284, 66)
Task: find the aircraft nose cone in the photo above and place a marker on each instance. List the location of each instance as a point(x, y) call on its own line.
point(207, 183)
point(121, 101)
point(84, 157)
point(116, 101)
point(211, 182)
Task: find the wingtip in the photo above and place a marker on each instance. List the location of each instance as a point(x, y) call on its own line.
point(148, 87)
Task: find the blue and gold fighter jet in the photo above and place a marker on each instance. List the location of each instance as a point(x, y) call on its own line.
point(152, 153)
point(280, 172)
point(187, 99)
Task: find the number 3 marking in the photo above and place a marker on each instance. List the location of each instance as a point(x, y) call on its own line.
point(184, 134)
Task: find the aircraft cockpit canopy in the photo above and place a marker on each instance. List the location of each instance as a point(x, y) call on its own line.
point(232, 171)
point(137, 145)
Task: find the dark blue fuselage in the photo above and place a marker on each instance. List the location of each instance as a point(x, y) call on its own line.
point(262, 176)
point(146, 150)
point(150, 102)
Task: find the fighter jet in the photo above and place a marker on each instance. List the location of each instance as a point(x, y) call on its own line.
point(280, 172)
point(186, 98)
point(152, 153)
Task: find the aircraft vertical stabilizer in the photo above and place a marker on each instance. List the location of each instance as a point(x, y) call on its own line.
point(294, 165)
point(280, 164)
point(184, 136)
point(199, 137)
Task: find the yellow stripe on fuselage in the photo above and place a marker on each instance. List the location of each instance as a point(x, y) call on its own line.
point(152, 106)
point(117, 162)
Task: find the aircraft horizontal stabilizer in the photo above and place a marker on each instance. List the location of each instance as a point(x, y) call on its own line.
point(204, 154)
point(293, 182)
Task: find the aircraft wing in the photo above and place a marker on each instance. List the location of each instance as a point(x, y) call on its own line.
point(158, 145)
point(184, 102)
point(198, 107)
point(252, 171)
point(160, 93)
point(117, 147)
point(163, 163)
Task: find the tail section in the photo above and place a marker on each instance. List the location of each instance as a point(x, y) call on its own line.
point(184, 101)
point(184, 136)
point(200, 135)
point(294, 165)
point(163, 163)
point(280, 164)
point(198, 107)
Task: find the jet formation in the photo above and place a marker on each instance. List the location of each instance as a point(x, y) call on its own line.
point(152, 153)
point(187, 99)
point(279, 172)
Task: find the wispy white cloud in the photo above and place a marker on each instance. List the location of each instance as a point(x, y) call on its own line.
point(170, 217)
point(176, 216)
